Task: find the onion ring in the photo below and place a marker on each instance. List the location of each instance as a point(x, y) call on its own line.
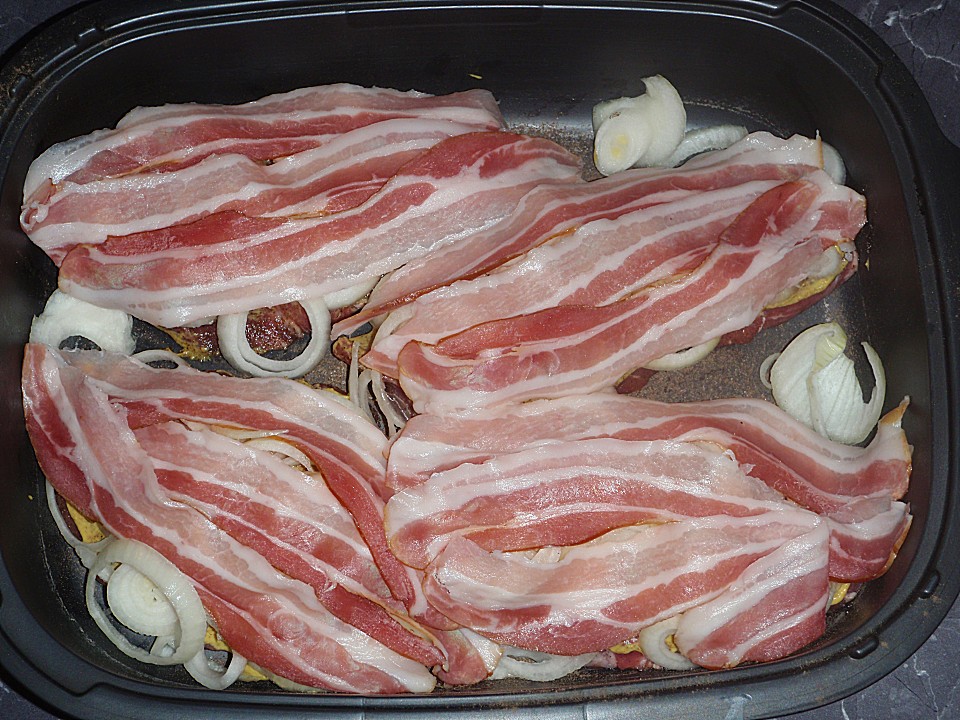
point(236, 350)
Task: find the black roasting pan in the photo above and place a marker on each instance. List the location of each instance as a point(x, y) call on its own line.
point(789, 66)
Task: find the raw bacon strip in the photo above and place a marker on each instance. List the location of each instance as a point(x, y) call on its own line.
point(226, 263)
point(292, 520)
point(341, 443)
point(171, 137)
point(798, 462)
point(772, 245)
point(774, 608)
point(569, 493)
point(268, 617)
point(338, 175)
point(550, 211)
point(596, 264)
point(602, 593)
point(855, 488)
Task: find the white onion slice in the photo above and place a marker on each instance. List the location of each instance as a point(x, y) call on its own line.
point(537, 666)
point(232, 336)
point(348, 296)
point(765, 370)
point(138, 604)
point(64, 317)
point(209, 674)
point(715, 137)
point(353, 378)
point(640, 131)
point(684, 358)
point(816, 384)
point(160, 355)
point(283, 448)
point(621, 141)
point(234, 433)
point(87, 552)
point(176, 588)
point(833, 163)
point(395, 421)
point(653, 644)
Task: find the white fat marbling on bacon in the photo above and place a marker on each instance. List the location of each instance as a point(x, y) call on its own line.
point(267, 616)
point(174, 136)
point(568, 493)
point(773, 609)
point(573, 348)
point(550, 211)
point(290, 518)
point(345, 447)
point(335, 176)
point(601, 593)
point(600, 262)
point(227, 263)
point(856, 489)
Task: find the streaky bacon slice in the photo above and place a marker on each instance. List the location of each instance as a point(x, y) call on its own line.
point(772, 245)
point(171, 137)
point(338, 175)
point(265, 615)
point(549, 211)
point(226, 263)
point(601, 593)
point(776, 607)
point(339, 441)
point(288, 517)
point(600, 262)
point(856, 489)
point(568, 493)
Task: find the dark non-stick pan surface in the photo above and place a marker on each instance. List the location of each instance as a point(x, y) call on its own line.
point(789, 68)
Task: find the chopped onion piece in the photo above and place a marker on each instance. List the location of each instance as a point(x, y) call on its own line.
point(395, 421)
point(537, 666)
point(209, 674)
point(640, 131)
point(347, 296)
point(64, 317)
point(281, 447)
point(232, 337)
point(87, 552)
point(715, 137)
point(833, 164)
point(160, 355)
point(176, 587)
point(234, 433)
point(816, 383)
point(684, 358)
point(653, 644)
point(138, 604)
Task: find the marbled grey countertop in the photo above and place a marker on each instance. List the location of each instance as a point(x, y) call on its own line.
point(925, 34)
